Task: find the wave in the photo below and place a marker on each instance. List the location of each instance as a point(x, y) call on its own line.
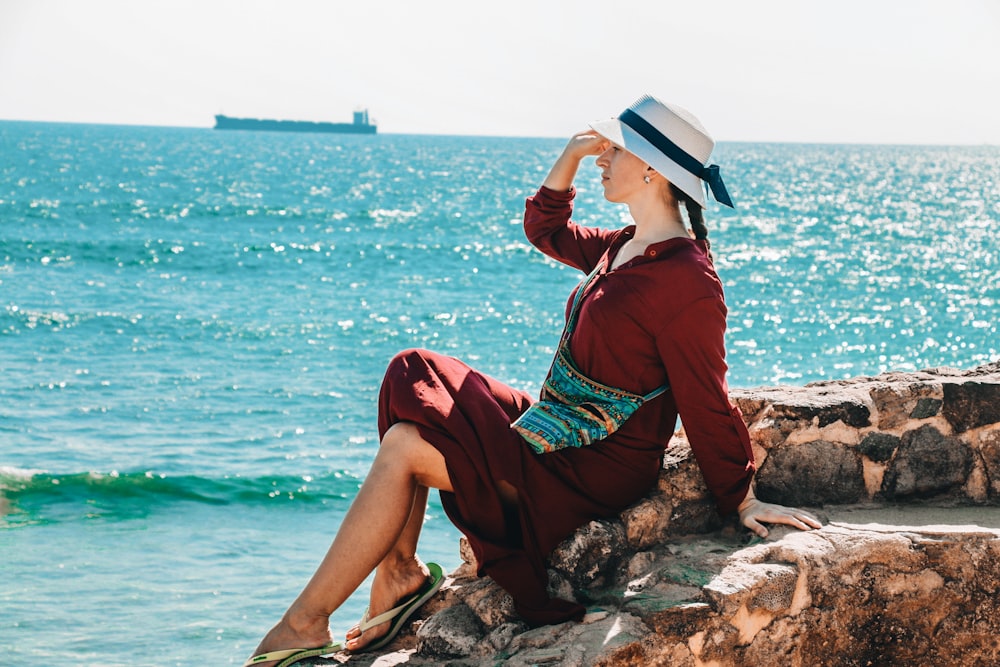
point(34, 496)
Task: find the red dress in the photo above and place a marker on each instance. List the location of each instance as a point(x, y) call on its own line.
point(660, 316)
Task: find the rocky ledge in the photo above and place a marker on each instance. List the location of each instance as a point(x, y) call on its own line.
point(904, 470)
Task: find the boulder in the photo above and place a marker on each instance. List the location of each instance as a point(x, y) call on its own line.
point(904, 471)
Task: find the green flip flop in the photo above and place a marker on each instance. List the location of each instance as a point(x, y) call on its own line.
point(292, 655)
point(399, 614)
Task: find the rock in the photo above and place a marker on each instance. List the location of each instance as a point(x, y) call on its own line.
point(926, 408)
point(904, 468)
point(927, 463)
point(812, 473)
point(990, 452)
point(492, 605)
point(879, 447)
point(971, 405)
point(824, 403)
point(590, 557)
point(501, 636)
point(644, 522)
point(844, 595)
point(452, 632)
point(896, 402)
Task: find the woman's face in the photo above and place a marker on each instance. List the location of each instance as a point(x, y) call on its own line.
point(622, 173)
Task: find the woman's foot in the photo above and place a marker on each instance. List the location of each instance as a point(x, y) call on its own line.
point(292, 632)
point(390, 586)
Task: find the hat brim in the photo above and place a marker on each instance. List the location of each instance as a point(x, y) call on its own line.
point(619, 133)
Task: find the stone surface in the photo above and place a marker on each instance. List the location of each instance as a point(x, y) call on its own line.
point(926, 408)
point(904, 471)
point(971, 404)
point(812, 473)
point(590, 557)
point(990, 452)
point(452, 632)
point(927, 463)
point(879, 447)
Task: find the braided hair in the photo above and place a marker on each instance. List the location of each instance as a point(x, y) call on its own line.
point(695, 215)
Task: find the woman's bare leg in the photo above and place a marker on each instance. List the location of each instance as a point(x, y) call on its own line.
point(399, 574)
point(381, 521)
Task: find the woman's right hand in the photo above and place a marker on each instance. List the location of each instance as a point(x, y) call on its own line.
point(580, 145)
point(586, 143)
point(753, 512)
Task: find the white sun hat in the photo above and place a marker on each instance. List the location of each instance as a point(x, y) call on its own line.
point(670, 140)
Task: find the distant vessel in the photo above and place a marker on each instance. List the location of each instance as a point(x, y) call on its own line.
point(361, 125)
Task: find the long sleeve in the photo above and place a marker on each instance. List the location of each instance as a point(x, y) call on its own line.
point(692, 348)
point(548, 226)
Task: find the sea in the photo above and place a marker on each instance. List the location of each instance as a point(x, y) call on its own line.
point(194, 325)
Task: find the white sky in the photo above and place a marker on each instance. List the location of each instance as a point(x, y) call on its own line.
point(868, 71)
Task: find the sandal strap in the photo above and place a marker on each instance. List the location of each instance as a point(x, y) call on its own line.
point(272, 655)
point(369, 623)
point(289, 652)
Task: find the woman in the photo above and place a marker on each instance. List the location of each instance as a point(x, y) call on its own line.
point(643, 343)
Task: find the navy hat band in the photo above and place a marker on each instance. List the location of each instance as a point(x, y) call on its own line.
point(710, 174)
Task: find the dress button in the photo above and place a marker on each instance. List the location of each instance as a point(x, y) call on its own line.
point(652, 253)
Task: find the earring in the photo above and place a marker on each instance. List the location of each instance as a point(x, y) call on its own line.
point(646, 179)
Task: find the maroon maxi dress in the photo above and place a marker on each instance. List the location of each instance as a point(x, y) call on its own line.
point(658, 318)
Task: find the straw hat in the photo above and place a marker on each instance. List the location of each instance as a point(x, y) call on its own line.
point(670, 140)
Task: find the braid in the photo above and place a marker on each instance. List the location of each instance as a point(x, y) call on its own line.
point(695, 215)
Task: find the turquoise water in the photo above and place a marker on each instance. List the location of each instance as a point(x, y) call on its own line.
point(194, 324)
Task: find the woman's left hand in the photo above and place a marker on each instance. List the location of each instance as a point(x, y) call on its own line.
point(753, 512)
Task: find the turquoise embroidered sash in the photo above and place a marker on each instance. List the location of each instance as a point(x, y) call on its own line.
point(573, 410)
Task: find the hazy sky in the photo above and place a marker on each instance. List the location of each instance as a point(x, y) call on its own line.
point(872, 71)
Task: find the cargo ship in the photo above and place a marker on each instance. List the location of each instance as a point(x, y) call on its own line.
point(361, 125)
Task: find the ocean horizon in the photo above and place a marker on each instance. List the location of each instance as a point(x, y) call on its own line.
point(719, 142)
point(194, 324)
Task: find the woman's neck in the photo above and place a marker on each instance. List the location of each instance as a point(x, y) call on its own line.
point(656, 221)
point(653, 224)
